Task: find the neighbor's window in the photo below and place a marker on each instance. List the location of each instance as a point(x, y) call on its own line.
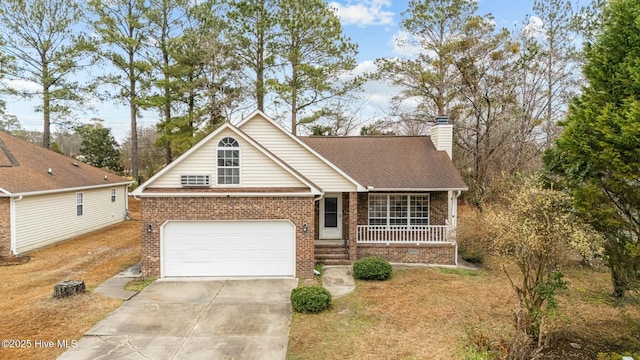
point(79, 204)
point(113, 195)
point(228, 161)
point(398, 209)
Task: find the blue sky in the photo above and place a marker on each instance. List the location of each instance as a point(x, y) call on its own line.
point(372, 24)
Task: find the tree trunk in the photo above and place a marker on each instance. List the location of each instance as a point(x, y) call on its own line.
point(134, 123)
point(46, 110)
point(260, 90)
point(46, 105)
point(294, 101)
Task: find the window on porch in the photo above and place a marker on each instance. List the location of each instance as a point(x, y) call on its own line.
point(398, 209)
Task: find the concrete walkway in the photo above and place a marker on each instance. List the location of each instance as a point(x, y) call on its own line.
point(338, 279)
point(114, 287)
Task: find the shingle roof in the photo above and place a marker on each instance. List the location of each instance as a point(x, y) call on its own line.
point(24, 168)
point(390, 162)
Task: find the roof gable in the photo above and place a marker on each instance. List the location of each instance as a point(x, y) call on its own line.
point(299, 155)
point(24, 168)
point(260, 169)
point(390, 162)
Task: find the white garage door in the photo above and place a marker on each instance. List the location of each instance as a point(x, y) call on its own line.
point(228, 248)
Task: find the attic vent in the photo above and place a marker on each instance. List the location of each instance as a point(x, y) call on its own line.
point(195, 180)
point(49, 171)
point(75, 164)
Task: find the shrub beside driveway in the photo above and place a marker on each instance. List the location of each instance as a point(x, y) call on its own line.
point(28, 311)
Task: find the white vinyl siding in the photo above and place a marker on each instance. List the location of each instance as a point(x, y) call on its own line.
point(296, 155)
point(256, 168)
point(46, 219)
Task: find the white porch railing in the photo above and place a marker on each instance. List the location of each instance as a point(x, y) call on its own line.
point(398, 234)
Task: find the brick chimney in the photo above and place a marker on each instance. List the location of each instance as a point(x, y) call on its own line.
point(442, 135)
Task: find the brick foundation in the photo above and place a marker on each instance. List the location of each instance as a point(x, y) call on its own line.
point(157, 210)
point(5, 227)
point(444, 254)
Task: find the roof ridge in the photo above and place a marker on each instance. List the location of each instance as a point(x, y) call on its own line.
point(8, 154)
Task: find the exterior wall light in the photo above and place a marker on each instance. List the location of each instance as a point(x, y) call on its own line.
point(305, 228)
point(149, 228)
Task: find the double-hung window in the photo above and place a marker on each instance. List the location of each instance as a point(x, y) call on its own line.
point(398, 209)
point(79, 204)
point(228, 161)
point(113, 195)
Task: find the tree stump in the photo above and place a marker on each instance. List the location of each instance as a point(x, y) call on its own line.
point(67, 288)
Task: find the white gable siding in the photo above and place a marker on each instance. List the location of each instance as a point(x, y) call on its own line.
point(296, 155)
point(46, 219)
point(256, 169)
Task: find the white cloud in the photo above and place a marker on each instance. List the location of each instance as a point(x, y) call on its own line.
point(533, 28)
point(403, 45)
point(23, 85)
point(364, 12)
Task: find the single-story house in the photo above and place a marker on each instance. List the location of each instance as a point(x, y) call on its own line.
point(46, 197)
point(254, 200)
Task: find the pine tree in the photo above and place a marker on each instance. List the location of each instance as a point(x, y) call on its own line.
point(596, 157)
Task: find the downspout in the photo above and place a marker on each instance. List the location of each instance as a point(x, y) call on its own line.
point(12, 226)
point(455, 221)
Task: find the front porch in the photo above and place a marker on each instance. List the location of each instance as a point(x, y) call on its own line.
point(400, 227)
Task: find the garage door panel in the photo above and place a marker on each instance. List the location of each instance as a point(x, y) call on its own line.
point(229, 248)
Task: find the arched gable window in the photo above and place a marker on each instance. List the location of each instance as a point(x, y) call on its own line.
point(228, 161)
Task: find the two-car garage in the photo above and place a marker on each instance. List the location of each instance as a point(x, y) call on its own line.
point(228, 248)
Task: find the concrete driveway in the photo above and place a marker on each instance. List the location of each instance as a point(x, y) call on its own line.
point(195, 319)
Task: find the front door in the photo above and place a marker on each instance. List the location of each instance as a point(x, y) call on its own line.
point(331, 216)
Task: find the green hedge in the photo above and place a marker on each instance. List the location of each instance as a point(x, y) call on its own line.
point(372, 268)
point(312, 299)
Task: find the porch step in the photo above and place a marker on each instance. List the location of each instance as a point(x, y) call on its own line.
point(335, 262)
point(331, 254)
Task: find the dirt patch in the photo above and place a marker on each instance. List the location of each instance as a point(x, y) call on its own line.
point(28, 311)
point(13, 260)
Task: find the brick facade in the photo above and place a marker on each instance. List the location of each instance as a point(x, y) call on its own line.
point(444, 254)
point(5, 227)
point(157, 210)
point(438, 208)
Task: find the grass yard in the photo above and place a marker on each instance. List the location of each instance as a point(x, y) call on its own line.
point(28, 310)
point(430, 313)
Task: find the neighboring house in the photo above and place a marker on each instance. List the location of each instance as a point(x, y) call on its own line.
point(254, 200)
point(46, 197)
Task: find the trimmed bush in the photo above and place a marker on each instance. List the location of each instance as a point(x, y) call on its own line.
point(310, 298)
point(372, 268)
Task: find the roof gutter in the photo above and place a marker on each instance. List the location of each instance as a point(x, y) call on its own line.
point(54, 191)
point(241, 194)
point(371, 188)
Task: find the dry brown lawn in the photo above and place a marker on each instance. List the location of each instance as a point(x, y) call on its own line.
point(28, 310)
point(430, 313)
